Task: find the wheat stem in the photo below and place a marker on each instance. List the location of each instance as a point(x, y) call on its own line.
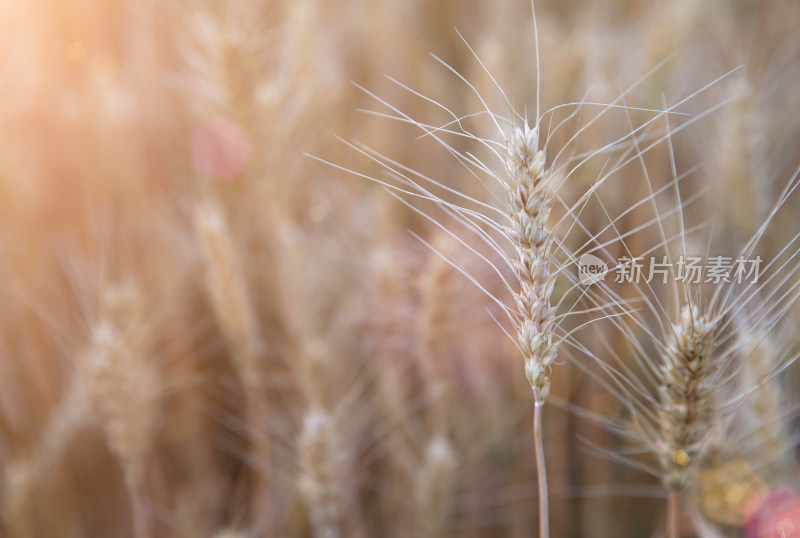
point(133, 484)
point(541, 472)
point(672, 515)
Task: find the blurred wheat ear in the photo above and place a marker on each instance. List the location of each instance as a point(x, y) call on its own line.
point(122, 389)
point(320, 461)
point(231, 302)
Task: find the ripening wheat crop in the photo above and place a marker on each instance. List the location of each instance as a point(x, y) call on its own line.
point(432, 269)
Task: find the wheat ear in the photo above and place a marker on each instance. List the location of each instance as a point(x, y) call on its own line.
point(435, 476)
point(530, 199)
point(319, 473)
point(687, 401)
point(770, 441)
point(227, 288)
point(121, 388)
point(437, 296)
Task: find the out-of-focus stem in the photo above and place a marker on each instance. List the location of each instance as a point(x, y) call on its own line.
point(672, 515)
point(134, 486)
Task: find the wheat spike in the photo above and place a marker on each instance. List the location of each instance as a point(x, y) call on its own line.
point(434, 326)
point(687, 395)
point(227, 289)
point(122, 390)
point(319, 473)
point(530, 199)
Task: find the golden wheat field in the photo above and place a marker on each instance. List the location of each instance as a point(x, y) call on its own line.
point(399, 268)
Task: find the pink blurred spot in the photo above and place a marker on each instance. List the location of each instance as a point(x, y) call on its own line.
point(220, 148)
point(777, 515)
